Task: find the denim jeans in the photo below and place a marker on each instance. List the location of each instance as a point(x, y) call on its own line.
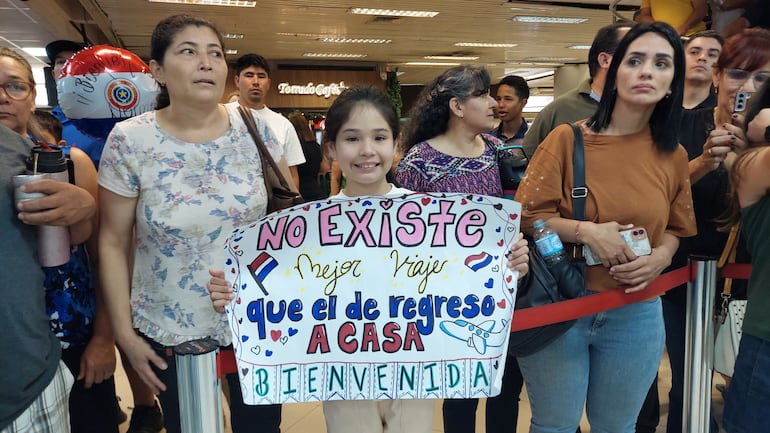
point(606, 362)
point(748, 397)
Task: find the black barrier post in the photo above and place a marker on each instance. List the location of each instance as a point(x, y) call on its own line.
point(699, 346)
point(200, 391)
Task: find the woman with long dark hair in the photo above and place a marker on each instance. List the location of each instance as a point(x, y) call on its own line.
point(636, 174)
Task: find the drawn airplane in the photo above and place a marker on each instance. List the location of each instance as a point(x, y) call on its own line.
point(478, 336)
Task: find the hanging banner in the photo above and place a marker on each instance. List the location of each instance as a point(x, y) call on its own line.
point(395, 297)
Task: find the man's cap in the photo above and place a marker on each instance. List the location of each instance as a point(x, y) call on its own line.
point(54, 48)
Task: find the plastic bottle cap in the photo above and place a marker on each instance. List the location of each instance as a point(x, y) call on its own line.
point(539, 223)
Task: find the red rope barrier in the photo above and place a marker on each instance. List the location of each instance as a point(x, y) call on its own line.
point(592, 304)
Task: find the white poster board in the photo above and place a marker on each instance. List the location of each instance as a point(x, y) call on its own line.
point(374, 298)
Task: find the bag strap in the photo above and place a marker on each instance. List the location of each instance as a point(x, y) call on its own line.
point(264, 154)
point(579, 189)
point(728, 257)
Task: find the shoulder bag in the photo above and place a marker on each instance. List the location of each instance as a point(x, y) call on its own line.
point(279, 193)
point(546, 285)
point(730, 317)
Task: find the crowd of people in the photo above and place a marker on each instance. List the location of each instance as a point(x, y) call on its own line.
point(665, 150)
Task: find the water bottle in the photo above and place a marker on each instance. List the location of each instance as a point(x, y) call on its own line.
point(53, 242)
point(548, 244)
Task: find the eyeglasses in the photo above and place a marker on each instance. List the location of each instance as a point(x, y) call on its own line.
point(17, 90)
point(742, 75)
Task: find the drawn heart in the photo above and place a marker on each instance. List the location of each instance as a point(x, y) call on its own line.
point(306, 207)
point(229, 262)
point(495, 268)
point(386, 204)
point(317, 205)
point(284, 339)
point(243, 287)
point(480, 199)
point(463, 201)
point(232, 270)
point(244, 338)
point(501, 304)
point(497, 230)
point(275, 335)
point(238, 301)
point(240, 320)
point(268, 353)
point(350, 203)
point(496, 365)
point(244, 371)
point(366, 203)
point(425, 201)
point(292, 332)
point(235, 247)
point(256, 350)
point(239, 253)
point(238, 239)
point(508, 279)
point(489, 284)
point(513, 216)
point(511, 228)
point(498, 206)
point(500, 243)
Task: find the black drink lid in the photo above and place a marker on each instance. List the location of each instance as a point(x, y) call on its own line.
point(48, 161)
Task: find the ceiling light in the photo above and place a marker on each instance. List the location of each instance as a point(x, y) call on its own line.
point(431, 64)
point(451, 57)
point(539, 75)
point(231, 52)
point(238, 3)
point(233, 35)
point(393, 13)
point(484, 45)
point(35, 51)
point(345, 55)
point(579, 47)
point(548, 20)
point(551, 59)
point(355, 41)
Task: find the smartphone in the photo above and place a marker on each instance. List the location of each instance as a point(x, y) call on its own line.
point(741, 101)
point(636, 238)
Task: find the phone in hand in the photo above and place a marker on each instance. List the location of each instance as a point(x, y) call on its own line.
point(636, 238)
point(741, 101)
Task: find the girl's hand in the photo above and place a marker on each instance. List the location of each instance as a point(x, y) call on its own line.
point(220, 290)
point(518, 257)
point(606, 243)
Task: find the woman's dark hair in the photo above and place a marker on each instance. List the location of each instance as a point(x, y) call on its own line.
point(162, 37)
point(429, 117)
point(350, 98)
point(665, 119)
point(749, 50)
point(301, 126)
point(757, 103)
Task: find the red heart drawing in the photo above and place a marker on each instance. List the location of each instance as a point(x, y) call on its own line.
point(425, 201)
point(501, 304)
point(275, 335)
point(463, 201)
point(513, 216)
point(238, 301)
point(232, 270)
point(508, 278)
point(306, 207)
point(500, 243)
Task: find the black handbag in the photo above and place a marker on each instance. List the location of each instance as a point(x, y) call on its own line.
point(512, 162)
point(279, 194)
point(545, 285)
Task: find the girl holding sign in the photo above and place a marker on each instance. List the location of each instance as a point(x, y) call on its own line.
point(362, 136)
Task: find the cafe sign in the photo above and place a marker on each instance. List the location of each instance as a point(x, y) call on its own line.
point(325, 90)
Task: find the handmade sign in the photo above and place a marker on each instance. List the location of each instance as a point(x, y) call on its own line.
point(374, 298)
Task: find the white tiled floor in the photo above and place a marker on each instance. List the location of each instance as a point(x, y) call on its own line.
point(308, 417)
